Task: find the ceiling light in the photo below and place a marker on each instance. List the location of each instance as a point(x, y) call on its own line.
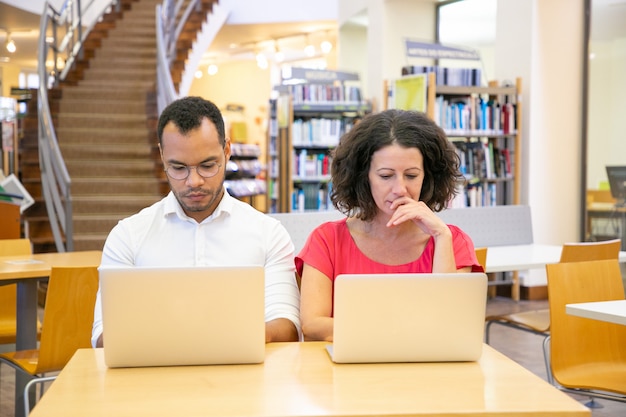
point(261, 61)
point(326, 47)
point(212, 69)
point(10, 44)
point(198, 74)
point(279, 55)
point(309, 50)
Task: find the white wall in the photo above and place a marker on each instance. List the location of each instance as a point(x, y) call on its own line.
point(271, 11)
point(390, 23)
point(239, 82)
point(352, 41)
point(550, 62)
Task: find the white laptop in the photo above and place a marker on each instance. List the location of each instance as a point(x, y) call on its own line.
point(408, 317)
point(164, 316)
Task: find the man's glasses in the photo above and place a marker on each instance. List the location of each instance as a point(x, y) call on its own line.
point(181, 172)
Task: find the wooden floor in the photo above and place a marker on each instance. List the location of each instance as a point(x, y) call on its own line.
point(522, 347)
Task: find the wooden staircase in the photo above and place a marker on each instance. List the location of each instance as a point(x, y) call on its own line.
point(105, 119)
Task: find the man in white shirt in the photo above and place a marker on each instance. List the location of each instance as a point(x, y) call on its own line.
point(199, 224)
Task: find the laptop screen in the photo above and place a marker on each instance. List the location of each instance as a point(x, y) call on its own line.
point(617, 183)
point(166, 316)
point(409, 317)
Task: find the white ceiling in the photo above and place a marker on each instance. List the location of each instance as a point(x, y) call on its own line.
point(24, 25)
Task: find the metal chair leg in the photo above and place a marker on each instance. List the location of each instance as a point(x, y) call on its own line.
point(27, 388)
point(546, 359)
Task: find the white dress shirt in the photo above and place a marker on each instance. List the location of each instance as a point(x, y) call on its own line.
point(235, 234)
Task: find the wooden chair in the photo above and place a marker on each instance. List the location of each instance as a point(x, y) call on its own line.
point(588, 357)
point(8, 293)
point(68, 318)
point(481, 255)
point(10, 221)
point(538, 321)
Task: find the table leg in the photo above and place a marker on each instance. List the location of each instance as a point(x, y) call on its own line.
point(26, 337)
point(515, 288)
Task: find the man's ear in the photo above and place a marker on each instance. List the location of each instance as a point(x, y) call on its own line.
point(227, 149)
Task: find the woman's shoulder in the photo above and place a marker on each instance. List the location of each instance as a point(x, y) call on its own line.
point(333, 226)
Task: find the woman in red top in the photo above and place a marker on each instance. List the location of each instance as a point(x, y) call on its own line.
point(390, 174)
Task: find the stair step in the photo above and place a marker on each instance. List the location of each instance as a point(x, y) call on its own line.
point(91, 135)
point(92, 186)
point(109, 106)
point(118, 120)
point(118, 84)
point(103, 168)
point(112, 204)
point(95, 242)
point(96, 224)
point(85, 93)
point(129, 62)
point(124, 53)
point(139, 33)
point(105, 150)
point(103, 74)
point(87, 135)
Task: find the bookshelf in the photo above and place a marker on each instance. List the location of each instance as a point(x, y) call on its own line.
point(484, 124)
point(243, 171)
point(306, 121)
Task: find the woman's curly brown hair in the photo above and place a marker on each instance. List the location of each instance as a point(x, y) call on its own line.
point(351, 192)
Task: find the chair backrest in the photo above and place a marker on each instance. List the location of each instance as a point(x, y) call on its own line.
point(300, 225)
point(8, 293)
point(590, 251)
point(10, 221)
point(575, 340)
point(481, 255)
point(68, 316)
point(13, 247)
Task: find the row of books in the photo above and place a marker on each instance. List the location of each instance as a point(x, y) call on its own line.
point(319, 131)
point(309, 164)
point(475, 114)
point(324, 94)
point(243, 168)
point(305, 197)
point(483, 159)
point(462, 77)
point(247, 150)
point(246, 187)
point(311, 197)
point(475, 195)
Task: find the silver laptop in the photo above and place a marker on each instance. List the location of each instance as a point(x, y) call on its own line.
point(164, 316)
point(408, 317)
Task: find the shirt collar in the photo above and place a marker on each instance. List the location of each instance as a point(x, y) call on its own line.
point(173, 207)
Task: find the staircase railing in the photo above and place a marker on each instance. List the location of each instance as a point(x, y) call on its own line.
point(168, 30)
point(166, 45)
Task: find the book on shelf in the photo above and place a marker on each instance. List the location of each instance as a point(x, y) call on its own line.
point(450, 76)
point(311, 197)
point(474, 115)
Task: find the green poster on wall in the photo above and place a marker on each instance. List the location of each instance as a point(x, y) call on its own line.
point(409, 93)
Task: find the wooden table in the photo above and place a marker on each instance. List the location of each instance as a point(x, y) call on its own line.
point(299, 379)
point(609, 311)
point(522, 257)
point(26, 271)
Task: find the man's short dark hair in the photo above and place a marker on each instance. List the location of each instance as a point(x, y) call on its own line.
point(187, 114)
